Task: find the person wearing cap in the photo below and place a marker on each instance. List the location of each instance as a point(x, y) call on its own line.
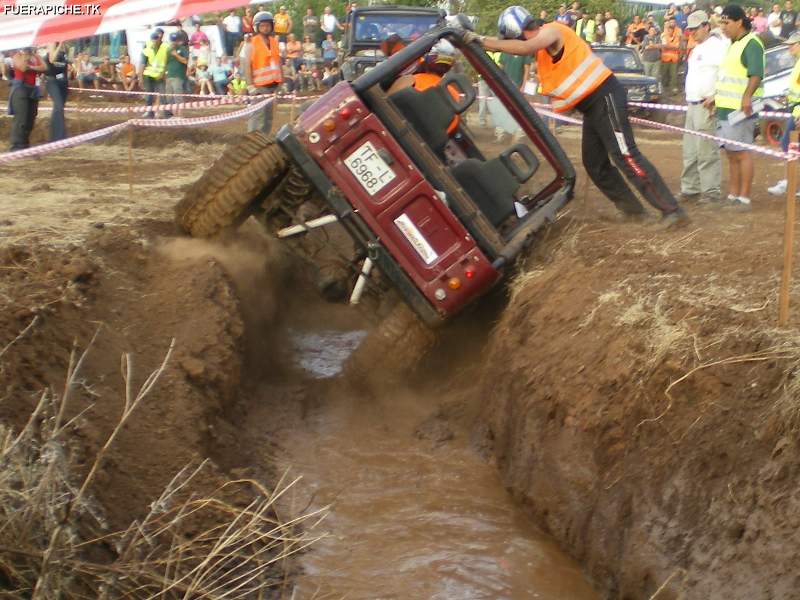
point(176, 77)
point(740, 77)
point(576, 79)
point(283, 24)
point(702, 172)
point(261, 63)
point(152, 70)
point(793, 101)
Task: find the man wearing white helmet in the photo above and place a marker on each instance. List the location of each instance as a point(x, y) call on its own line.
point(429, 73)
point(576, 79)
point(261, 62)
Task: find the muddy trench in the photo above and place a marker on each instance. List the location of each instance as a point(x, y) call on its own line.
point(415, 507)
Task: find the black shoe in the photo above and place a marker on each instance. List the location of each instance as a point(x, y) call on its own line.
point(149, 115)
point(675, 220)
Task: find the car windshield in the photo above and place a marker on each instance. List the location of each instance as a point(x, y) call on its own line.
point(376, 27)
point(778, 59)
point(620, 61)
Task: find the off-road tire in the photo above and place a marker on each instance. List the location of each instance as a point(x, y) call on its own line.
point(228, 192)
point(390, 353)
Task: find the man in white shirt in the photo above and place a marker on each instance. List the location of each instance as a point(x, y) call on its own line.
point(611, 29)
point(702, 172)
point(774, 21)
point(233, 32)
point(328, 24)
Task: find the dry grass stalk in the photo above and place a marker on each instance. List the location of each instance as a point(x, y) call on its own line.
point(188, 545)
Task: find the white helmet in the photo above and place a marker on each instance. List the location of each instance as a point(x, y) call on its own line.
point(512, 22)
point(443, 47)
point(262, 16)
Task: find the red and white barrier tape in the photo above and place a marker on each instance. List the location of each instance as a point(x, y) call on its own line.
point(139, 108)
point(106, 131)
point(683, 108)
point(206, 96)
point(542, 108)
point(129, 93)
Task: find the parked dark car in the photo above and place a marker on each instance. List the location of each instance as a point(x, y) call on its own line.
point(368, 26)
point(629, 69)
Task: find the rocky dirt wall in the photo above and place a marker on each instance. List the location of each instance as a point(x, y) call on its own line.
point(644, 407)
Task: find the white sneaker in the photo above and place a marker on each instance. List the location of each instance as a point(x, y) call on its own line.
point(779, 189)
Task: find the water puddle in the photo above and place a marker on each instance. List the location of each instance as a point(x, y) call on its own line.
point(321, 354)
point(410, 518)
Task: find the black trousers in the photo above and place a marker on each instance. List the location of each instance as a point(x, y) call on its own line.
point(609, 147)
point(24, 102)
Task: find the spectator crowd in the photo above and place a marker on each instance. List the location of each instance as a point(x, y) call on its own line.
point(191, 64)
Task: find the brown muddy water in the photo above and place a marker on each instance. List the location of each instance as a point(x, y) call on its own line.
point(411, 516)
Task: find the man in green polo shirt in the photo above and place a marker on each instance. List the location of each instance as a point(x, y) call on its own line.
point(518, 69)
point(739, 82)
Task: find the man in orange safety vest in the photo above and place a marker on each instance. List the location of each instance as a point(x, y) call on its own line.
point(575, 78)
point(261, 62)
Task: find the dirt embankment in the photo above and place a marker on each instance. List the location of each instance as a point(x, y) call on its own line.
point(123, 287)
point(645, 408)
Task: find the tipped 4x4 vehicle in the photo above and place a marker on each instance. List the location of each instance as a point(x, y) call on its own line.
point(396, 196)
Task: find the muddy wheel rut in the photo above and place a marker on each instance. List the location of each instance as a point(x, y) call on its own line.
point(414, 511)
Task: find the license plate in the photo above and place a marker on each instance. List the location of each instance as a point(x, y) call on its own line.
point(369, 169)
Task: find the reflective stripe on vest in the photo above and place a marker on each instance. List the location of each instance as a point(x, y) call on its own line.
point(156, 61)
point(793, 95)
point(576, 75)
point(423, 81)
point(733, 79)
point(265, 62)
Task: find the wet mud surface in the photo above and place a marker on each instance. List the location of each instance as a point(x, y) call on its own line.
point(635, 396)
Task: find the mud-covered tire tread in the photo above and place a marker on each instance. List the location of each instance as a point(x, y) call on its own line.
point(220, 199)
point(391, 351)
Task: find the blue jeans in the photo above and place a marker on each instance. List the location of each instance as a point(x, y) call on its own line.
point(786, 134)
point(57, 90)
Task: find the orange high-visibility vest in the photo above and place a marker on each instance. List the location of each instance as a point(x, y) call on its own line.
point(576, 75)
point(265, 61)
point(423, 81)
point(281, 22)
point(674, 54)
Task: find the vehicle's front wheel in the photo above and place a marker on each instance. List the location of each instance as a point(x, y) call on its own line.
point(230, 190)
point(391, 352)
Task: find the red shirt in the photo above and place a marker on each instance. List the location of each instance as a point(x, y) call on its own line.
point(28, 77)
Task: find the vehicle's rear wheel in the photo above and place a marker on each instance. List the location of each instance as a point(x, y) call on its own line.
point(391, 351)
point(772, 131)
point(230, 190)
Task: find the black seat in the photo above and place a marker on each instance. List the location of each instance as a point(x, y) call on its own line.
point(430, 111)
point(493, 184)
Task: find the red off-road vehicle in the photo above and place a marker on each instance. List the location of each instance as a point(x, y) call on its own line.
point(439, 214)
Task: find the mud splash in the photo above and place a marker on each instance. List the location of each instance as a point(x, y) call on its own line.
point(415, 512)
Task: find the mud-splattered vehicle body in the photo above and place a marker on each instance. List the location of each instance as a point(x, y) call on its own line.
point(441, 212)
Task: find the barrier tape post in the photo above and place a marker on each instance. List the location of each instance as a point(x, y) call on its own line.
point(130, 163)
point(788, 238)
point(292, 108)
